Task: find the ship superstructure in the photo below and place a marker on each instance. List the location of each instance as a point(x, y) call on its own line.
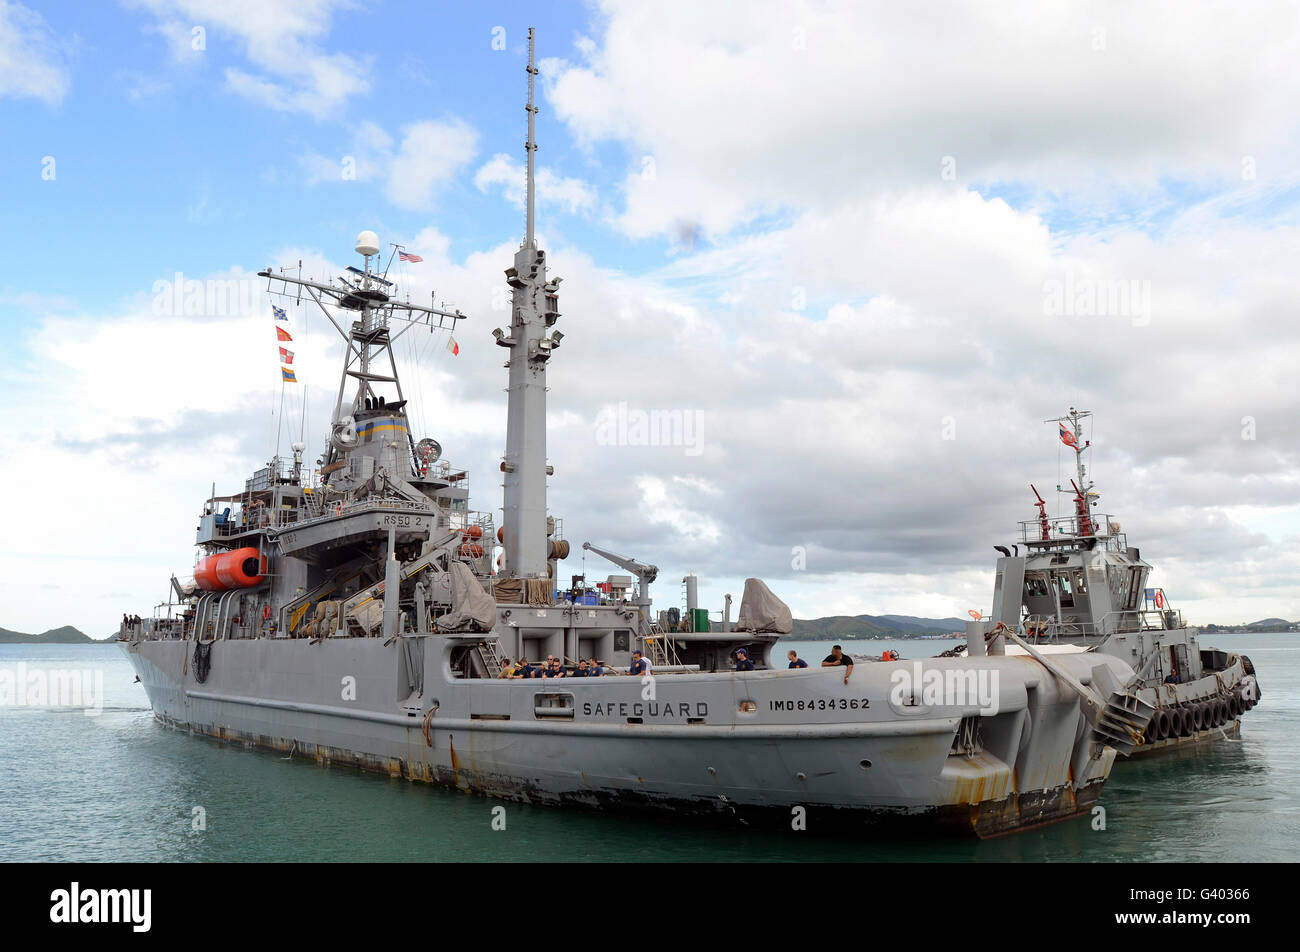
point(360, 612)
point(1080, 583)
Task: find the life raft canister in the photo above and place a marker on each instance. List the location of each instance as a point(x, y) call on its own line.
point(240, 568)
point(266, 613)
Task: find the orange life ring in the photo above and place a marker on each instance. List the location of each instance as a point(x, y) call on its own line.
point(1160, 598)
point(975, 614)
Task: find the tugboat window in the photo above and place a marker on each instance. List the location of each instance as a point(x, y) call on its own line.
point(1067, 593)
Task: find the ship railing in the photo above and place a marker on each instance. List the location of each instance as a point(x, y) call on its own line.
point(444, 470)
point(460, 519)
point(377, 504)
point(1046, 629)
point(237, 523)
point(1139, 619)
point(1065, 529)
point(279, 471)
point(1041, 629)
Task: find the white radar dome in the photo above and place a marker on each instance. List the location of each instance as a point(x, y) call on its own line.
point(367, 243)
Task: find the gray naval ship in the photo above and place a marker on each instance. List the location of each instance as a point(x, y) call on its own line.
point(358, 612)
point(1079, 587)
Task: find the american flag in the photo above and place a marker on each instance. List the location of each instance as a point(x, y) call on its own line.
point(409, 257)
point(286, 355)
point(279, 313)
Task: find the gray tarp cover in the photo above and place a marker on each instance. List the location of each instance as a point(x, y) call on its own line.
point(760, 610)
point(470, 605)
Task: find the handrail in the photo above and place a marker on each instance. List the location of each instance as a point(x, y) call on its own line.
point(1049, 630)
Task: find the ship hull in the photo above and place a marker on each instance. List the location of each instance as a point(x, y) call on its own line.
point(687, 753)
point(1203, 738)
point(1203, 691)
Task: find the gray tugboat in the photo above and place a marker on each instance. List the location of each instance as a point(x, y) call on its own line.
point(1080, 587)
point(359, 613)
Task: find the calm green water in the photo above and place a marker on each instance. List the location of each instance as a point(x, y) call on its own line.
point(120, 787)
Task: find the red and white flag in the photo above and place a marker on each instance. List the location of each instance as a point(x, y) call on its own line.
point(409, 257)
point(453, 346)
point(286, 356)
point(1067, 437)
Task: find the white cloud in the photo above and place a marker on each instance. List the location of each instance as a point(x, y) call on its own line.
point(280, 39)
point(796, 105)
point(367, 157)
point(430, 154)
point(31, 57)
point(571, 194)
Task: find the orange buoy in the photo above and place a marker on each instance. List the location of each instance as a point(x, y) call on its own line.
point(474, 532)
point(501, 534)
point(239, 568)
point(472, 549)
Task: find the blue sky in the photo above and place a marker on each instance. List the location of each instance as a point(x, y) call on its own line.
point(182, 173)
point(827, 230)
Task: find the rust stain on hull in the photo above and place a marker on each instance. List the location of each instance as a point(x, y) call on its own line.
point(1012, 814)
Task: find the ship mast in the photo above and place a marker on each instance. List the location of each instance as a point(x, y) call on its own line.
point(530, 147)
point(1073, 420)
point(368, 338)
point(1082, 488)
point(534, 308)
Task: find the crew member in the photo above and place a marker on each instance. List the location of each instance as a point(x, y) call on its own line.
point(838, 659)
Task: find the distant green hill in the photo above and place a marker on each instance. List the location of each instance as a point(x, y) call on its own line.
point(1270, 624)
point(67, 635)
point(944, 625)
point(872, 626)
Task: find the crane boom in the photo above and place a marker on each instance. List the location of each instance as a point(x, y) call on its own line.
point(642, 571)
